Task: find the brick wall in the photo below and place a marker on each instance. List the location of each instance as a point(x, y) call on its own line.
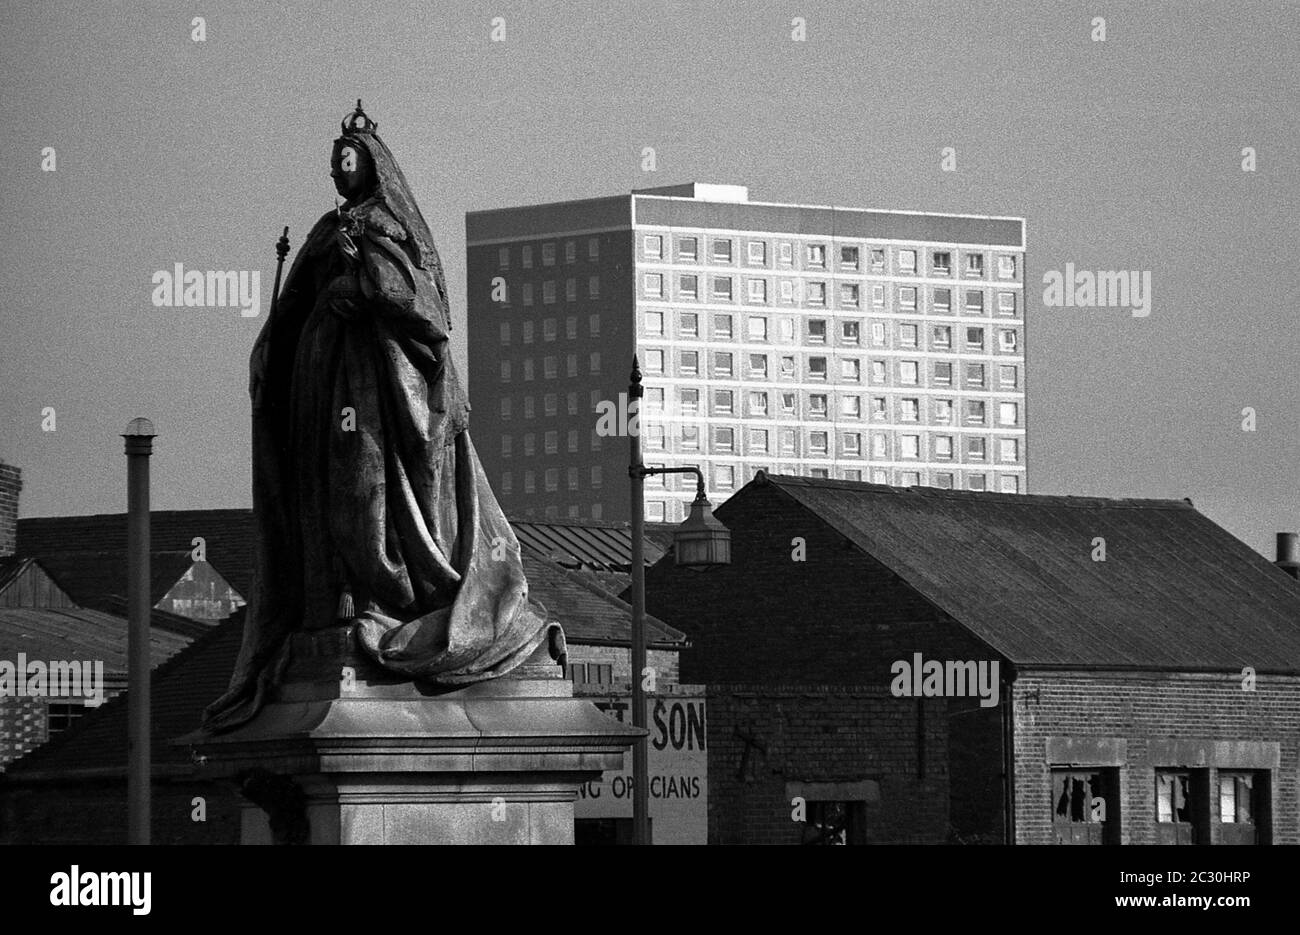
point(1147, 710)
point(824, 734)
point(11, 484)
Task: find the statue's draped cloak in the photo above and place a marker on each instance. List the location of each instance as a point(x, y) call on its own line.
point(365, 482)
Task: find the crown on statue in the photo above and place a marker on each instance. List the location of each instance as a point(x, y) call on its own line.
point(358, 122)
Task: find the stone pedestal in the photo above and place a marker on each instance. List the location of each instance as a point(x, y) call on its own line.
point(347, 754)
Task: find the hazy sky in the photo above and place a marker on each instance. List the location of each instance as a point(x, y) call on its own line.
point(1123, 154)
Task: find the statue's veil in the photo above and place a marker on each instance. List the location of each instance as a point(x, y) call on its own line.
point(393, 190)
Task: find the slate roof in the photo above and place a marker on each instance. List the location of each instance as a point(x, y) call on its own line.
point(228, 536)
point(589, 613)
point(1176, 591)
point(80, 634)
point(91, 578)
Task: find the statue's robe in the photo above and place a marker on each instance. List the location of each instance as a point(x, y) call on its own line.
point(369, 498)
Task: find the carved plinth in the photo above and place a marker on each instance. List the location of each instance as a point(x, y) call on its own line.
point(346, 754)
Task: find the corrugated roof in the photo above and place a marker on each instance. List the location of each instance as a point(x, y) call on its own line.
point(1176, 591)
point(600, 551)
point(588, 544)
point(77, 634)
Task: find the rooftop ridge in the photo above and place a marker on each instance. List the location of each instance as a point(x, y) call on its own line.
point(1020, 499)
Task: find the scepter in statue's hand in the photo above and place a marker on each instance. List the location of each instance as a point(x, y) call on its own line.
point(257, 365)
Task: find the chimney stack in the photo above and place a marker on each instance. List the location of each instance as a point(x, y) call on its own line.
point(11, 484)
point(1288, 553)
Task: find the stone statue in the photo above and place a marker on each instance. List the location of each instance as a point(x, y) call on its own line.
point(372, 511)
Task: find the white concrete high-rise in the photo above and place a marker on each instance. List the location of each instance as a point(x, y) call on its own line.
point(859, 344)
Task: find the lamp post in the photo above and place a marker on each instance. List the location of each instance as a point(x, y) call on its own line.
point(139, 436)
point(699, 542)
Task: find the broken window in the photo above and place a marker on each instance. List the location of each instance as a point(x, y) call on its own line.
point(1242, 807)
point(1172, 790)
point(1084, 806)
point(1181, 805)
point(1236, 792)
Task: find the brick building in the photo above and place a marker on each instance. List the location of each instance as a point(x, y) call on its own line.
point(1109, 671)
point(825, 341)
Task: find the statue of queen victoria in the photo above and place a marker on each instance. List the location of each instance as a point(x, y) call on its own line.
point(372, 510)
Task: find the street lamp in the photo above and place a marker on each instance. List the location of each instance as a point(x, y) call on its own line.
point(699, 542)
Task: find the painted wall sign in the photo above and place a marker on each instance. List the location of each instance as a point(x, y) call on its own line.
point(678, 771)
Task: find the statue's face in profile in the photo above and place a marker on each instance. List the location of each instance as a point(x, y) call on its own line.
point(350, 168)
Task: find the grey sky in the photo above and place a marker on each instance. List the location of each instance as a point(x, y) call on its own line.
point(1121, 155)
